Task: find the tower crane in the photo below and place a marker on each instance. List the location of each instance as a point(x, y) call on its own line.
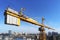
point(22, 17)
point(41, 28)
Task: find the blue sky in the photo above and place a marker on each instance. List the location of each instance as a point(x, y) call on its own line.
point(35, 9)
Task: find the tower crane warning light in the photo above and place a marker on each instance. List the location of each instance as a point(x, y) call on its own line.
point(10, 17)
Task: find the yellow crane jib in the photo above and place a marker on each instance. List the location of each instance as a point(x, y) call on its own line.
point(16, 14)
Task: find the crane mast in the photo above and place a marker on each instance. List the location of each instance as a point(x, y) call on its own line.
point(42, 35)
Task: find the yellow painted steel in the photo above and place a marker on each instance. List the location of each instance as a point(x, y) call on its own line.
point(26, 19)
point(18, 23)
point(12, 14)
